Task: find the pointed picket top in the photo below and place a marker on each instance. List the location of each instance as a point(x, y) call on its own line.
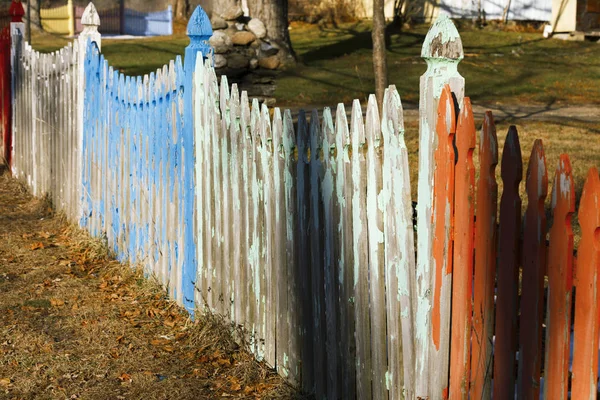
point(16, 11)
point(224, 98)
point(265, 120)
point(589, 209)
point(342, 133)
point(199, 24)
point(245, 114)
point(587, 325)
point(90, 18)
point(537, 177)
point(443, 41)
point(512, 162)
point(289, 137)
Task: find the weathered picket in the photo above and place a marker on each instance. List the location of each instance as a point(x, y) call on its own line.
point(47, 117)
point(302, 233)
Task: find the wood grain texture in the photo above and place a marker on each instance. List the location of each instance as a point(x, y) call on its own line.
point(304, 305)
point(316, 256)
point(331, 252)
point(360, 254)
point(534, 265)
point(485, 262)
point(346, 264)
point(587, 305)
point(509, 250)
point(560, 283)
point(399, 250)
point(442, 221)
point(374, 143)
point(462, 284)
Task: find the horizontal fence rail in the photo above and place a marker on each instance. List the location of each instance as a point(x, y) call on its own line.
point(299, 228)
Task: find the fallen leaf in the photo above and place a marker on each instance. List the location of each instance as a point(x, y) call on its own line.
point(5, 382)
point(124, 377)
point(36, 246)
point(44, 235)
point(57, 302)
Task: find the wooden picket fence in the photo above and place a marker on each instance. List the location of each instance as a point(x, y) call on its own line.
point(300, 228)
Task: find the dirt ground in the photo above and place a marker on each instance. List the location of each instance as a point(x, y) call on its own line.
point(74, 324)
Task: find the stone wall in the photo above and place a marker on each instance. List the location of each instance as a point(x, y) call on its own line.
point(241, 43)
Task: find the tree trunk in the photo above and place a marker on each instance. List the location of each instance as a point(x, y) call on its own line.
point(224, 7)
point(379, 57)
point(180, 9)
point(274, 14)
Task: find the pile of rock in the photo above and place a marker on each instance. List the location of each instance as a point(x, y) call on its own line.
point(241, 44)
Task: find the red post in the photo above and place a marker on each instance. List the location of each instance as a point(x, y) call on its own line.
point(587, 303)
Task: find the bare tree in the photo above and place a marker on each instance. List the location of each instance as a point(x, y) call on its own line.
point(379, 56)
point(274, 14)
point(180, 8)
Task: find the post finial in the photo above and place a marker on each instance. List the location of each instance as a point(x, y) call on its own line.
point(443, 41)
point(199, 24)
point(16, 11)
point(199, 30)
point(90, 18)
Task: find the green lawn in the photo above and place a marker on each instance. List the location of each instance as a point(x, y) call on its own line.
point(335, 64)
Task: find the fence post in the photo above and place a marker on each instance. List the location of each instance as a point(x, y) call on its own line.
point(90, 20)
point(17, 33)
point(16, 12)
point(442, 50)
point(199, 31)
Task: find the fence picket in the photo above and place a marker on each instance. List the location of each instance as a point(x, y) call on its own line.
point(532, 283)
point(462, 285)
point(587, 323)
point(442, 210)
point(303, 254)
point(256, 250)
point(249, 222)
point(375, 229)
point(279, 247)
point(267, 264)
point(399, 249)
point(238, 210)
point(330, 254)
point(225, 195)
point(485, 260)
point(509, 233)
point(361, 255)
point(560, 283)
point(291, 222)
point(316, 256)
point(344, 190)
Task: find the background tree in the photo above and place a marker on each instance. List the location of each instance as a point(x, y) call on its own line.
point(274, 14)
point(180, 8)
point(32, 18)
point(379, 56)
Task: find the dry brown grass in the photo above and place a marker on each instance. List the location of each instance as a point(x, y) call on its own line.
point(76, 324)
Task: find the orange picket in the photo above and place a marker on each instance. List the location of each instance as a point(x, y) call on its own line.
point(508, 269)
point(443, 206)
point(485, 263)
point(462, 279)
point(534, 262)
point(587, 303)
point(560, 283)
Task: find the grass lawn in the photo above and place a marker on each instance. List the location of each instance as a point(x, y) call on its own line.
point(335, 64)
